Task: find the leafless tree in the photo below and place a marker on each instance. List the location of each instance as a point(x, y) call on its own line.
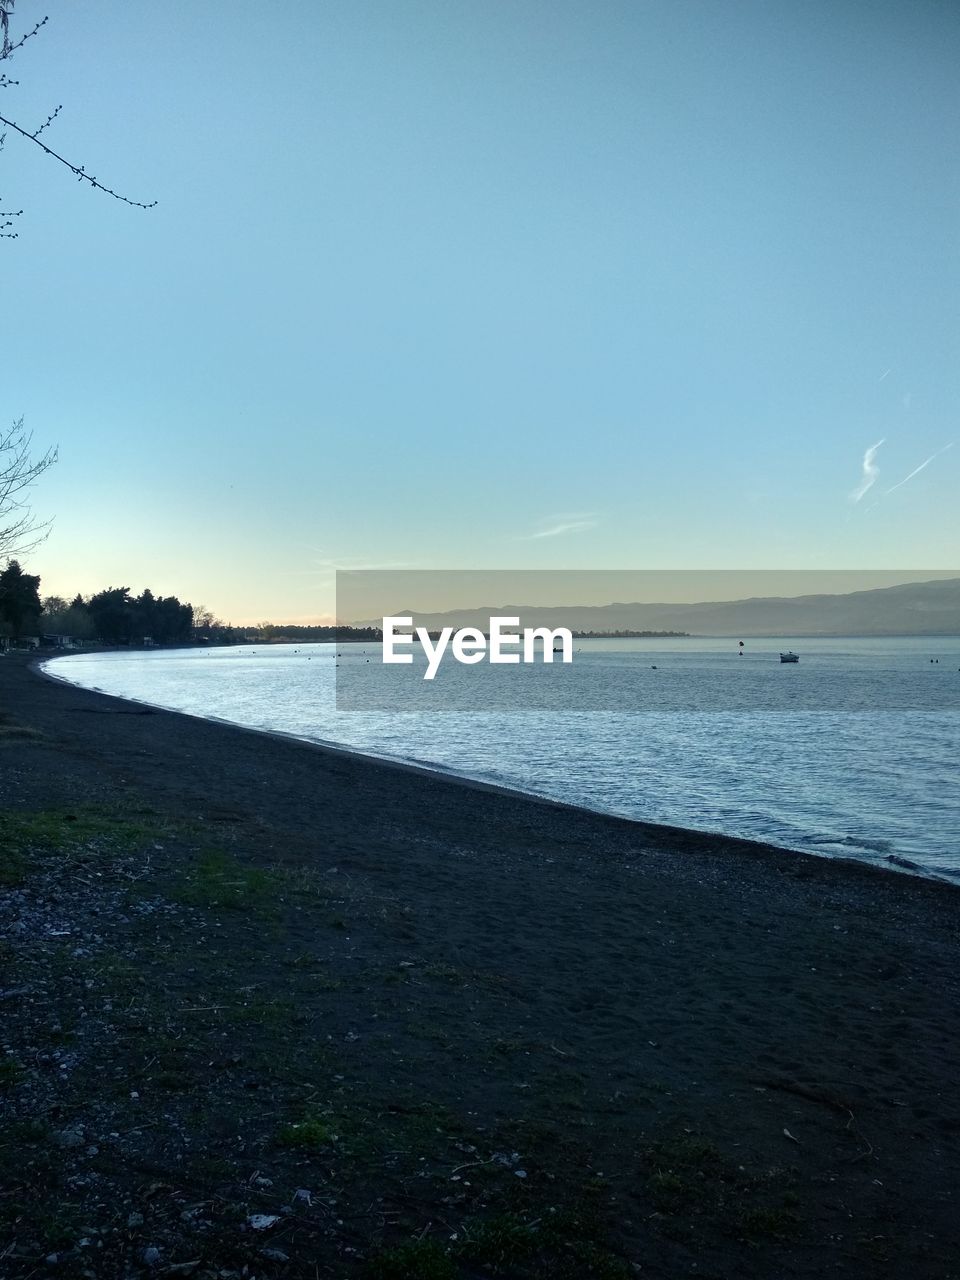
point(204, 619)
point(8, 48)
point(20, 530)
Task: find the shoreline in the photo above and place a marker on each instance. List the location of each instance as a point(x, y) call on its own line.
point(234, 968)
point(902, 867)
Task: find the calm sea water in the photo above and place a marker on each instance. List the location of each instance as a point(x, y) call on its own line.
point(874, 785)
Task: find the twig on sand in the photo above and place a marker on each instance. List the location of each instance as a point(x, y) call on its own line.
point(473, 1164)
point(815, 1094)
point(852, 1124)
point(811, 1092)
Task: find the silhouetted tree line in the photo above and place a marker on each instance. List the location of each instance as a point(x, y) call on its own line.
point(19, 601)
point(626, 635)
point(114, 616)
point(274, 633)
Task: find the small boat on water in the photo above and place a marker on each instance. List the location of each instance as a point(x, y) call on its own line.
point(789, 657)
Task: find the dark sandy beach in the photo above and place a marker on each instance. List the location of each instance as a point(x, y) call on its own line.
point(486, 1034)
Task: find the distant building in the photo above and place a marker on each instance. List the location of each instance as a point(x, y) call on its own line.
point(50, 641)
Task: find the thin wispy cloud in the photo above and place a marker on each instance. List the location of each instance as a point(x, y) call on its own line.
point(870, 472)
point(556, 526)
point(922, 467)
point(325, 568)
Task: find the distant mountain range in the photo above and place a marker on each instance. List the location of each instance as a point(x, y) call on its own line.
point(914, 609)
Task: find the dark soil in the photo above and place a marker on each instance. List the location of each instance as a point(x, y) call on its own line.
point(270, 1010)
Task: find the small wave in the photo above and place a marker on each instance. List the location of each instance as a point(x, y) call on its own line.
point(854, 842)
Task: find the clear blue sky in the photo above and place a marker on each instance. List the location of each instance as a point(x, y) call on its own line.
point(473, 284)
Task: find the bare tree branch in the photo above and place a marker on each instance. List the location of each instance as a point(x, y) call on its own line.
point(20, 530)
point(77, 169)
point(7, 49)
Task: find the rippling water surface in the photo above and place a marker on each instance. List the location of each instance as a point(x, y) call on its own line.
point(875, 785)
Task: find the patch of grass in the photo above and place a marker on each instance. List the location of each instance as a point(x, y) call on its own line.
point(552, 1243)
point(585, 1259)
point(115, 973)
point(420, 1126)
point(173, 1081)
point(688, 1155)
point(263, 1013)
point(166, 1062)
point(365, 1132)
point(324, 982)
point(767, 1221)
point(446, 972)
point(694, 1151)
point(26, 1133)
point(310, 1133)
point(506, 1048)
point(673, 1195)
point(85, 834)
point(60, 1225)
point(666, 1182)
point(413, 1260)
point(652, 1086)
point(218, 881)
point(210, 1170)
point(57, 1037)
point(430, 1031)
point(499, 1242)
point(10, 1072)
point(698, 1189)
point(62, 829)
point(308, 882)
point(13, 867)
